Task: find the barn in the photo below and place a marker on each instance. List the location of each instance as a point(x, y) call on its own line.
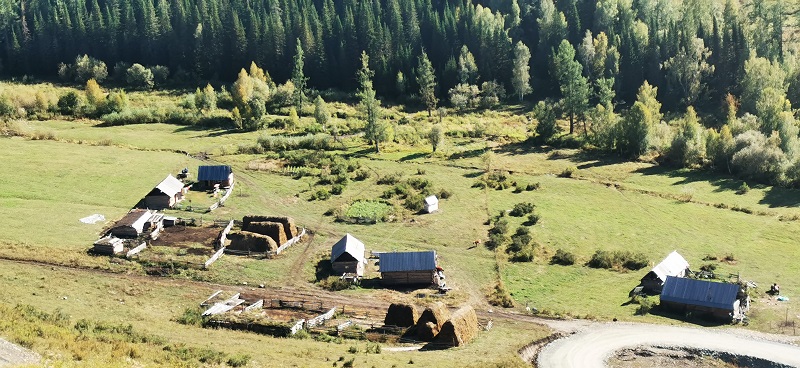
point(212, 175)
point(408, 268)
point(673, 265)
point(715, 299)
point(137, 222)
point(347, 256)
point(165, 195)
point(431, 204)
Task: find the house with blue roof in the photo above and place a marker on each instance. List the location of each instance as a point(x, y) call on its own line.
point(211, 175)
point(408, 268)
point(719, 300)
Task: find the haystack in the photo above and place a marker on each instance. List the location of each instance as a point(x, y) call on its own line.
point(289, 227)
point(401, 315)
point(431, 321)
point(252, 242)
point(460, 329)
point(272, 229)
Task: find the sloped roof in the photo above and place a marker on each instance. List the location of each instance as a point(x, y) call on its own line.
point(134, 217)
point(673, 265)
point(214, 173)
point(350, 245)
point(170, 186)
point(431, 200)
point(408, 261)
point(699, 292)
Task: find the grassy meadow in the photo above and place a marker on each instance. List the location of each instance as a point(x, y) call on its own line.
point(61, 171)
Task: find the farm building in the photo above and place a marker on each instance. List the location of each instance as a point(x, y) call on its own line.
point(347, 256)
point(137, 222)
point(166, 194)
point(674, 265)
point(431, 204)
point(408, 268)
point(719, 300)
point(209, 176)
point(108, 245)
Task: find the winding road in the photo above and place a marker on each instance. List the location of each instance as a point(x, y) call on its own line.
point(592, 346)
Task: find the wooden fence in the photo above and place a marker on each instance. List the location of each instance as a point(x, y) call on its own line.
point(298, 326)
point(291, 242)
point(214, 258)
point(257, 305)
point(136, 250)
point(318, 320)
point(223, 238)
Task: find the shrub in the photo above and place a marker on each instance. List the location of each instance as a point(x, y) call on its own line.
point(568, 172)
point(645, 305)
point(533, 219)
point(84, 68)
point(496, 241)
point(533, 186)
point(444, 194)
point(729, 258)
point(708, 267)
point(139, 76)
point(238, 360)
point(160, 74)
point(69, 103)
point(522, 209)
point(500, 227)
point(390, 179)
point(500, 297)
point(191, 316)
point(563, 258)
point(7, 107)
point(414, 203)
point(601, 259)
point(335, 283)
point(280, 143)
point(337, 189)
point(743, 189)
point(420, 184)
point(520, 240)
point(321, 194)
point(633, 261)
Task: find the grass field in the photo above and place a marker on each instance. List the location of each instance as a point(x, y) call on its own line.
point(46, 186)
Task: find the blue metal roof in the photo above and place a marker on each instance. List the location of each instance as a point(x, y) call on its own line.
point(699, 292)
point(214, 173)
point(407, 261)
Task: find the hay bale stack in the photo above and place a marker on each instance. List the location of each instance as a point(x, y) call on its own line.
point(401, 315)
point(272, 229)
point(287, 223)
point(431, 321)
point(252, 242)
point(460, 329)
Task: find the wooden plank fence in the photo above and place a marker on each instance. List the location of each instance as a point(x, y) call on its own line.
point(223, 238)
point(298, 326)
point(222, 200)
point(214, 258)
point(257, 305)
point(291, 242)
point(136, 250)
point(318, 320)
point(210, 297)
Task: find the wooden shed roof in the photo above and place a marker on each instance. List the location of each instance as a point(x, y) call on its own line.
point(348, 245)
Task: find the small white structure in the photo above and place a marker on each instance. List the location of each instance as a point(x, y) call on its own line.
point(431, 204)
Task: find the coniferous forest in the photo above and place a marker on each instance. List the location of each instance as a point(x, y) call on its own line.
point(623, 66)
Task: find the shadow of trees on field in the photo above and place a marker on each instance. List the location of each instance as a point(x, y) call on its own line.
point(781, 197)
point(695, 318)
point(720, 181)
point(414, 156)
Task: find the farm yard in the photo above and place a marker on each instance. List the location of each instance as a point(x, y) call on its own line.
point(562, 201)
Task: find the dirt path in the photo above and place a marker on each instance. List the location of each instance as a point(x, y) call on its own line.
point(13, 355)
point(592, 346)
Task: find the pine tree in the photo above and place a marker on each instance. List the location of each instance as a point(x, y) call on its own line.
point(426, 80)
point(370, 107)
point(574, 86)
point(298, 77)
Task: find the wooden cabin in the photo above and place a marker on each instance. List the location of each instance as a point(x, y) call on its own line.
point(408, 268)
point(673, 265)
point(136, 223)
point(165, 195)
point(209, 176)
point(715, 299)
point(347, 256)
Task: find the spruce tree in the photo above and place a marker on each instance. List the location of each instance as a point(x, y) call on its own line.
point(426, 79)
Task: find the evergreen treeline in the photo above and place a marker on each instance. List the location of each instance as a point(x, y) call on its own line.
point(694, 51)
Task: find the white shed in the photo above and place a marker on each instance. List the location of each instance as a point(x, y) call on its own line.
point(431, 204)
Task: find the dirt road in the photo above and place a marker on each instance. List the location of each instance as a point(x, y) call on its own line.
point(591, 347)
point(13, 355)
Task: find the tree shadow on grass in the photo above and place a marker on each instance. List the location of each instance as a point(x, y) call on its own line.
point(467, 154)
point(781, 197)
point(473, 175)
point(720, 181)
point(413, 156)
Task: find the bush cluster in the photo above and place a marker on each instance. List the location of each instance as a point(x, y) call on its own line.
point(522, 209)
point(563, 258)
point(618, 259)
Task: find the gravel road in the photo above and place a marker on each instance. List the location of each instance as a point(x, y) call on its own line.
point(12, 354)
point(591, 347)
